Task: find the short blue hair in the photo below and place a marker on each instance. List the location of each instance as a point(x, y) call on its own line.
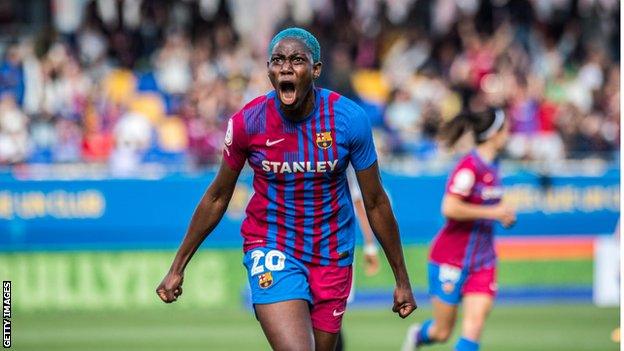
point(300, 34)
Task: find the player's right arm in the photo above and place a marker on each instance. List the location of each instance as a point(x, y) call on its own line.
point(455, 206)
point(207, 215)
point(210, 209)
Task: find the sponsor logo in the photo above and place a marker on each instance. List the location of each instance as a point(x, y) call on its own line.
point(324, 140)
point(299, 167)
point(338, 314)
point(271, 143)
point(492, 193)
point(265, 280)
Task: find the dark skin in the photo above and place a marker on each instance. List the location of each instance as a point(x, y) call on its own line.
point(287, 325)
point(207, 215)
point(291, 62)
point(386, 229)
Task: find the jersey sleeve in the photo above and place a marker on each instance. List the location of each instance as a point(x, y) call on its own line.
point(235, 143)
point(362, 147)
point(462, 181)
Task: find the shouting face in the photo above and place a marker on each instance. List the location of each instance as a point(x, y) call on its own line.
point(292, 72)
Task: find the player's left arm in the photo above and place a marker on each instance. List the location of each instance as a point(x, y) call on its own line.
point(384, 225)
point(364, 160)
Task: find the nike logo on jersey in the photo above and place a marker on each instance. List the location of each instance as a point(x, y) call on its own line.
point(338, 314)
point(299, 167)
point(271, 143)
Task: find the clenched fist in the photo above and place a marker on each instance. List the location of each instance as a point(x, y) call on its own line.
point(171, 287)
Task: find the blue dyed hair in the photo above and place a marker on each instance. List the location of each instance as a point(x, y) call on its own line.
point(300, 34)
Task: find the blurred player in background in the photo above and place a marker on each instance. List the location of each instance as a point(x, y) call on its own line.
point(299, 230)
point(462, 260)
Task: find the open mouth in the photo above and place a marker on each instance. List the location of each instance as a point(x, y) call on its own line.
point(287, 93)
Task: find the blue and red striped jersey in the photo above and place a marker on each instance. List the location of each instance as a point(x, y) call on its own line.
point(301, 203)
point(470, 244)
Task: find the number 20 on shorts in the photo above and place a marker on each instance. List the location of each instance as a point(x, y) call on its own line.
point(273, 261)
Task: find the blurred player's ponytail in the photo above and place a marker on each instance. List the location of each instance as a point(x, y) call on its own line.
point(476, 122)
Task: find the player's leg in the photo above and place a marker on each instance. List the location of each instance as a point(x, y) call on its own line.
point(281, 297)
point(325, 341)
point(479, 292)
point(476, 309)
point(443, 323)
point(445, 285)
point(287, 325)
point(435, 330)
point(330, 287)
point(340, 342)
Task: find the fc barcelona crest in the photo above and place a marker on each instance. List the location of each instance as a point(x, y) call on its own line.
point(448, 287)
point(324, 140)
point(265, 280)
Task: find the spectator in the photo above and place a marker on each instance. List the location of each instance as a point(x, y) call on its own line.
point(135, 81)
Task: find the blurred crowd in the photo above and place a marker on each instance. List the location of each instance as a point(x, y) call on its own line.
point(129, 82)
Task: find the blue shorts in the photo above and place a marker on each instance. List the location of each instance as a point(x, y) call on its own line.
point(450, 283)
point(446, 282)
point(275, 276)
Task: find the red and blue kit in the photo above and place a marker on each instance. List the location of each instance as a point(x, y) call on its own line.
point(299, 227)
point(462, 257)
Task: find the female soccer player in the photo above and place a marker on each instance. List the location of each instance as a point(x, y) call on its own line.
point(299, 229)
point(462, 261)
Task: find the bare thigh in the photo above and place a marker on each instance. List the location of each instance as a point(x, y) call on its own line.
point(287, 325)
point(477, 307)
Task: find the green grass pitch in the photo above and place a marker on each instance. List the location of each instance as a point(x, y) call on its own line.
point(124, 320)
point(526, 328)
